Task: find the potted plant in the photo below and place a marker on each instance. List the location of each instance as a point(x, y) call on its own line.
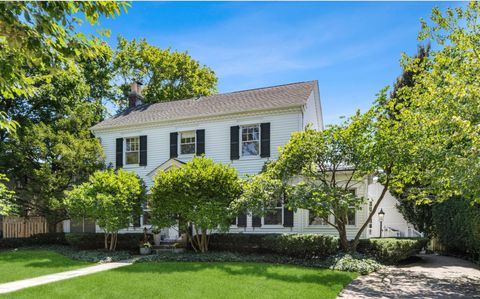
point(145, 248)
point(156, 235)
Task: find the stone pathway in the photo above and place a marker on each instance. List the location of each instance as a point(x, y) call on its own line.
point(431, 277)
point(31, 282)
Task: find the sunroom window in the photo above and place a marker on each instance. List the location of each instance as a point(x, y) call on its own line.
point(250, 140)
point(132, 150)
point(187, 143)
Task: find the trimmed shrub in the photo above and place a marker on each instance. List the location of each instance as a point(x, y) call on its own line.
point(302, 245)
point(353, 263)
point(293, 245)
point(457, 227)
point(391, 250)
point(244, 243)
point(35, 240)
point(89, 241)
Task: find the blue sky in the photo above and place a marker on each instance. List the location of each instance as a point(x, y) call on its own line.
point(352, 48)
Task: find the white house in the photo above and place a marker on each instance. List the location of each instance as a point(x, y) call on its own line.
point(243, 128)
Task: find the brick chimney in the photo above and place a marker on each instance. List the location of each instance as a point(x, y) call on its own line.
point(135, 96)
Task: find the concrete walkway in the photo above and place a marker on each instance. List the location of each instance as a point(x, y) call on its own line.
point(31, 282)
point(431, 277)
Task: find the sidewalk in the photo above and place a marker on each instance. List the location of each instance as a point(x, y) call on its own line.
point(31, 282)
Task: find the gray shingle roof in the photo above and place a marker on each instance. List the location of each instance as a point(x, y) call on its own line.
point(282, 96)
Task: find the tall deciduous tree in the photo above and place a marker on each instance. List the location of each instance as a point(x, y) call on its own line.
point(200, 193)
point(167, 75)
point(53, 148)
point(444, 112)
point(43, 35)
point(113, 199)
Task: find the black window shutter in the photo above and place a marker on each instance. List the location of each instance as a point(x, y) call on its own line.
point(119, 153)
point(256, 221)
point(234, 143)
point(200, 142)
point(173, 144)
point(242, 220)
point(265, 140)
point(143, 151)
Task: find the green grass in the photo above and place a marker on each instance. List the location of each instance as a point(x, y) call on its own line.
point(198, 280)
point(21, 264)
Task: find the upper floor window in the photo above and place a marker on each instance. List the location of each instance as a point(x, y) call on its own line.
point(132, 150)
point(274, 216)
point(250, 140)
point(187, 143)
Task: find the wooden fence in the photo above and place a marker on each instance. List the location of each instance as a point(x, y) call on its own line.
point(19, 227)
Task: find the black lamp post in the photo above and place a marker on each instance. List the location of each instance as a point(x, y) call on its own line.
point(381, 216)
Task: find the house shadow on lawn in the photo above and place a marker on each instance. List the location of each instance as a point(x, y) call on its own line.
point(261, 270)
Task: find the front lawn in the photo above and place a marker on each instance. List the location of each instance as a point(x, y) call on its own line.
point(198, 280)
point(21, 264)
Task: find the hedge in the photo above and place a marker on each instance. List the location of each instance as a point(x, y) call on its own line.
point(89, 241)
point(457, 226)
point(35, 240)
point(302, 245)
point(293, 245)
point(391, 250)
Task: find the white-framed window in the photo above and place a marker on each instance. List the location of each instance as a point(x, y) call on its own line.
point(314, 219)
point(132, 150)
point(187, 143)
point(250, 140)
point(351, 215)
point(274, 216)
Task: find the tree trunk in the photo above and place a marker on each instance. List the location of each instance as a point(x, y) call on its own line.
point(204, 245)
point(342, 234)
point(106, 240)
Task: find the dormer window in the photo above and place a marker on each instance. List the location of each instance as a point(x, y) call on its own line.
point(187, 143)
point(132, 150)
point(250, 140)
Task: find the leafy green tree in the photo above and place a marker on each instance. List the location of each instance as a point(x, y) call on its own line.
point(43, 35)
point(444, 112)
point(113, 199)
point(6, 196)
point(167, 75)
point(317, 170)
point(201, 193)
point(53, 148)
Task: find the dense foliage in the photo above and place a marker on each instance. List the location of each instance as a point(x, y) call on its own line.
point(457, 226)
point(92, 241)
point(444, 112)
point(293, 245)
point(113, 198)
point(199, 194)
point(167, 75)
point(35, 240)
point(391, 250)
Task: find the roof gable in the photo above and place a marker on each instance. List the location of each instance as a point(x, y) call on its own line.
point(275, 97)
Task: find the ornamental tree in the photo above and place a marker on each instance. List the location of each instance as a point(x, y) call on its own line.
point(201, 193)
point(317, 170)
point(113, 198)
